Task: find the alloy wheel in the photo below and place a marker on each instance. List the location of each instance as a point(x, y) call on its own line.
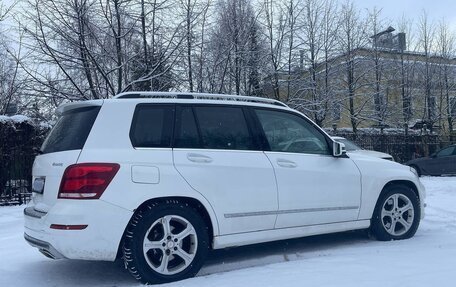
point(170, 244)
point(397, 214)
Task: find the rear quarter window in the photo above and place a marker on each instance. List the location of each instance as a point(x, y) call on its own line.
point(152, 126)
point(71, 130)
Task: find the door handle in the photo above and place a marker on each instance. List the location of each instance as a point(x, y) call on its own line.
point(198, 158)
point(286, 163)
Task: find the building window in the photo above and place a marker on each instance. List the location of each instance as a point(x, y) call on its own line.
point(336, 111)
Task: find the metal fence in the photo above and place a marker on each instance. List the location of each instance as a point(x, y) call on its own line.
point(19, 142)
point(402, 147)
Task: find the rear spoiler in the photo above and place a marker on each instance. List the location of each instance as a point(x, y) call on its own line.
point(76, 105)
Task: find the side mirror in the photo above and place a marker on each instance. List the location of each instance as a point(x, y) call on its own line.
point(338, 149)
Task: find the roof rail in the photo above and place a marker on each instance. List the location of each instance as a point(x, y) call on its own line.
point(197, 96)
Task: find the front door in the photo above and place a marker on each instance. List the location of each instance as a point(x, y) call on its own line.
point(314, 187)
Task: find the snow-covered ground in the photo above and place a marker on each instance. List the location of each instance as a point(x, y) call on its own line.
point(346, 259)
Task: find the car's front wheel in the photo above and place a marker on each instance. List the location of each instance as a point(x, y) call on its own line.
point(397, 214)
point(165, 242)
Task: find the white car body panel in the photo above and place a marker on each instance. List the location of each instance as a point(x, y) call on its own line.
point(236, 183)
point(372, 183)
point(372, 153)
point(310, 189)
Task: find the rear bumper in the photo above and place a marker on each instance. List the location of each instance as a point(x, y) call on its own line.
point(44, 247)
point(99, 241)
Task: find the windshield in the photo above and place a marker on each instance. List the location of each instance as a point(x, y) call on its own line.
point(71, 130)
point(349, 145)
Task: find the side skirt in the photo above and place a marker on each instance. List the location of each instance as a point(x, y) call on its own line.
point(240, 239)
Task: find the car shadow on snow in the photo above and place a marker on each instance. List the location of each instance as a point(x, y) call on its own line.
point(94, 273)
point(75, 273)
point(229, 259)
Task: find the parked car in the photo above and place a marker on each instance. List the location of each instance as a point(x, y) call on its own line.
point(159, 179)
point(351, 148)
point(442, 162)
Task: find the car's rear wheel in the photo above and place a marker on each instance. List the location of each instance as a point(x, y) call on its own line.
point(397, 214)
point(165, 242)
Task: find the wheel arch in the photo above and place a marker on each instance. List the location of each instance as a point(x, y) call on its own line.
point(406, 183)
point(211, 223)
point(388, 185)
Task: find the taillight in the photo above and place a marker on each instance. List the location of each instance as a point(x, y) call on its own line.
point(86, 180)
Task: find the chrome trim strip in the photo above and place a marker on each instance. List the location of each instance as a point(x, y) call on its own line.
point(278, 212)
point(197, 96)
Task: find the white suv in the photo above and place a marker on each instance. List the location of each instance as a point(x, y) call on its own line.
point(159, 179)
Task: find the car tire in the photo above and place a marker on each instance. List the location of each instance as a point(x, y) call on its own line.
point(164, 242)
point(418, 171)
point(397, 214)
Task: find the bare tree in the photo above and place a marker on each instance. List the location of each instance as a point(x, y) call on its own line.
point(379, 65)
point(330, 32)
point(406, 72)
point(352, 37)
point(313, 17)
point(153, 63)
point(6, 9)
point(194, 14)
point(294, 9)
point(88, 49)
point(445, 45)
point(426, 42)
point(276, 19)
point(10, 85)
point(234, 45)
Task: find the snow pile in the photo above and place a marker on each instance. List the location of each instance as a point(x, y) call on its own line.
point(15, 119)
point(45, 126)
point(346, 259)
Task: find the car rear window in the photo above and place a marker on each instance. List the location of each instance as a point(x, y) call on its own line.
point(71, 130)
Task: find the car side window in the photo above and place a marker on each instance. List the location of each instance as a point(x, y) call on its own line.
point(186, 133)
point(152, 126)
point(286, 132)
point(223, 128)
point(446, 152)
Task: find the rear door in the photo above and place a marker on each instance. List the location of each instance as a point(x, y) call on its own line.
point(61, 149)
point(216, 152)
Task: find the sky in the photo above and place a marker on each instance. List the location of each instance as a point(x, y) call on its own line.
point(394, 9)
